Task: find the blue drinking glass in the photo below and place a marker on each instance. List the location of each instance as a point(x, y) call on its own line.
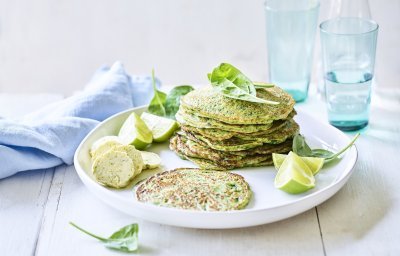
point(348, 50)
point(291, 29)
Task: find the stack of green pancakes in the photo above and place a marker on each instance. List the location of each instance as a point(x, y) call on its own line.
point(222, 133)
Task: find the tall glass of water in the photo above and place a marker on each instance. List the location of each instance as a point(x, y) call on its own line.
point(291, 29)
point(348, 50)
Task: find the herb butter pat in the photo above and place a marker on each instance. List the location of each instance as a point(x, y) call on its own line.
point(115, 165)
point(114, 169)
point(104, 144)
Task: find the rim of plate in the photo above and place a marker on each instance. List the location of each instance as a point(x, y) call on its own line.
point(83, 175)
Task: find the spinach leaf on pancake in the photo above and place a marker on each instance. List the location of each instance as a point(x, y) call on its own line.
point(232, 83)
point(207, 103)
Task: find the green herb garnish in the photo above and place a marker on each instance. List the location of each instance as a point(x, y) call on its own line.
point(232, 83)
point(125, 239)
point(156, 105)
point(167, 105)
point(262, 85)
point(174, 99)
point(301, 148)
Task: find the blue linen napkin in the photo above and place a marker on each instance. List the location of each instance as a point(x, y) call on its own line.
point(50, 136)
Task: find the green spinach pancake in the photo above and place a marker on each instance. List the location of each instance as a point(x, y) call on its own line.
point(207, 102)
point(195, 189)
point(222, 133)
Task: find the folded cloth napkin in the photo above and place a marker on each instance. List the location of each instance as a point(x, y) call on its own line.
point(50, 136)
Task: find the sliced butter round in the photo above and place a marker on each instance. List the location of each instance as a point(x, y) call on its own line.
point(104, 144)
point(151, 160)
point(134, 154)
point(114, 169)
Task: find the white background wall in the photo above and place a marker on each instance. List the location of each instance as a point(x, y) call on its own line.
point(54, 46)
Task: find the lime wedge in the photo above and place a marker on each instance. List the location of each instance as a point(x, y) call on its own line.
point(314, 163)
point(294, 176)
point(161, 127)
point(135, 132)
point(278, 160)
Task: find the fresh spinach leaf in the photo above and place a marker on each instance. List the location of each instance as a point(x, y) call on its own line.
point(337, 154)
point(322, 153)
point(232, 83)
point(262, 85)
point(167, 105)
point(156, 105)
point(125, 239)
point(173, 99)
point(226, 73)
point(301, 148)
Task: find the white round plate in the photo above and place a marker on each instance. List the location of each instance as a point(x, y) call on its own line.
point(268, 204)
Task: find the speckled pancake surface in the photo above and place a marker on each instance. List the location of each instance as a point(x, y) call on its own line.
point(207, 158)
point(238, 144)
point(185, 118)
point(218, 134)
point(195, 189)
point(209, 103)
point(222, 133)
point(200, 149)
point(212, 165)
point(287, 130)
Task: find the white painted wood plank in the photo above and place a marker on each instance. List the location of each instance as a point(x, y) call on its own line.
point(363, 218)
point(73, 202)
point(50, 212)
point(23, 198)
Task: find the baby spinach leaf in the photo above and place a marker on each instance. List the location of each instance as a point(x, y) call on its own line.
point(300, 146)
point(156, 105)
point(227, 74)
point(167, 105)
point(337, 154)
point(125, 239)
point(173, 99)
point(262, 85)
point(322, 153)
point(232, 83)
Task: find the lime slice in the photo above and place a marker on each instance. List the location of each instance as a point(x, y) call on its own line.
point(314, 163)
point(294, 176)
point(135, 132)
point(161, 127)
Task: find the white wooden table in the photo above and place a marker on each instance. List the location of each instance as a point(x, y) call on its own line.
point(361, 219)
